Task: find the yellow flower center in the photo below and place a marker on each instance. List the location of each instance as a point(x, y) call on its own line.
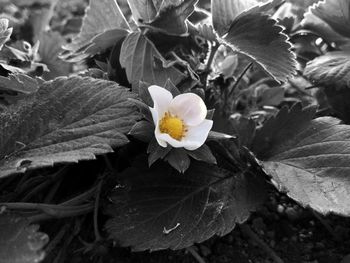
point(173, 126)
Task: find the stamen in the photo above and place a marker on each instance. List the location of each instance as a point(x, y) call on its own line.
point(173, 126)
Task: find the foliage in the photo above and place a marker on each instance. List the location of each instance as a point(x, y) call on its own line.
point(78, 131)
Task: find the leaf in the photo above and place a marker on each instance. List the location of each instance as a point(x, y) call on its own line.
point(218, 136)
point(104, 41)
point(65, 121)
point(143, 10)
point(207, 32)
point(315, 24)
point(100, 17)
point(229, 66)
point(335, 13)
point(50, 47)
point(143, 62)
point(20, 242)
point(5, 31)
point(159, 208)
point(279, 129)
point(331, 69)
point(225, 12)
point(20, 83)
point(156, 151)
point(143, 131)
point(15, 87)
point(143, 108)
point(259, 37)
point(270, 96)
point(338, 100)
point(172, 19)
point(244, 128)
point(203, 154)
point(178, 159)
point(308, 159)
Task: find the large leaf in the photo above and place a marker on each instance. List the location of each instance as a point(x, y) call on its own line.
point(173, 19)
point(66, 120)
point(308, 159)
point(20, 242)
point(5, 31)
point(224, 12)
point(143, 62)
point(335, 13)
point(159, 208)
point(100, 17)
point(331, 69)
point(259, 37)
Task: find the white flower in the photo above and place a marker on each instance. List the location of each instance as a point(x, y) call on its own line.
point(179, 121)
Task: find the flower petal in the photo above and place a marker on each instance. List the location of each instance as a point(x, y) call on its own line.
point(162, 140)
point(161, 101)
point(197, 135)
point(167, 139)
point(189, 107)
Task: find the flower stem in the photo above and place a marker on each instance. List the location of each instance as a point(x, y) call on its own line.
point(195, 254)
point(79, 210)
point(96, 206)
point(239, 79)
point(214, 48)
point(50, 180)
point(70, 208)
point(81, 198)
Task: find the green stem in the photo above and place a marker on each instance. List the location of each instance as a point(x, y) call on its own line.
point(81, 198)
point(195, 254)
point(62, 253)
point(49, 180)
point(214, 48)
point(77, 211)
point(239, 79)
point(57, 239)
point(96, 206)
point(46, 208)
point(52, 192)
point(23, 182)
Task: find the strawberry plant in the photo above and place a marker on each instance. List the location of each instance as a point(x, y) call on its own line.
point(158, 125)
